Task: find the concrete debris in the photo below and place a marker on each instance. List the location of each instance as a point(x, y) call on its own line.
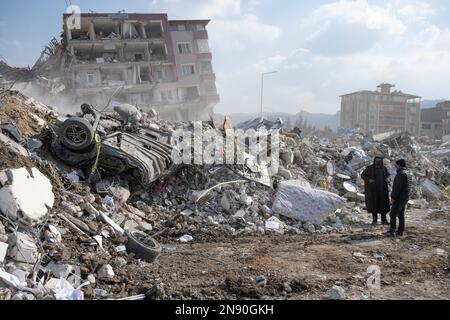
point(58, 270)
point(105, 272)
point(15, 200)
point(13, 146)
point(336, 293)
point(52, 234)
point(23, 296)
point(430, 189)
point(76, 205)
point(3, 251)
point(23, 248)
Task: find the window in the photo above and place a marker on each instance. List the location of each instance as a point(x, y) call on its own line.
point(166, 95)
point(200, 27)
point(90, 78)
point(203, 46)
point(210, 87)
point(181, 27)
point(138, 57)
point(188, 70)
point(206, 67)
point(448, 113)
point(188, 93)
point(426, 126)
point(184, 48)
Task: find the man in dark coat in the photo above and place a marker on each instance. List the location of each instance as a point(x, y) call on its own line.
point(399, 197)
point(376, 190)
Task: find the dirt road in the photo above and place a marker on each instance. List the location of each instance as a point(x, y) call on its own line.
point(299, 266)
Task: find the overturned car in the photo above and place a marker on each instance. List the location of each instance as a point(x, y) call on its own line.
point(98, 142)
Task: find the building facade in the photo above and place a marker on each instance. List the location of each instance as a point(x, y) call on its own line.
point(381, 110)
point(436, 121)
point(144, 60)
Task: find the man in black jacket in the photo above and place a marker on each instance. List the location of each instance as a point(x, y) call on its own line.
point(399, 197)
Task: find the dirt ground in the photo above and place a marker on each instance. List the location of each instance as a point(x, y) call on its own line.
point(298, 266)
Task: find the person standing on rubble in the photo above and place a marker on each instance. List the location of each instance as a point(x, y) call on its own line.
point(399, 197)
point(376, 190)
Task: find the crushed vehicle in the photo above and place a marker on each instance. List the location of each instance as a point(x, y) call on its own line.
point(93, 141)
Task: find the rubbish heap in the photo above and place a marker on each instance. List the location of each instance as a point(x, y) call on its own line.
point(83, 197)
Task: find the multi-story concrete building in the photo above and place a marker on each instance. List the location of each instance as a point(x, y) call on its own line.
point(381, 110)
point(142, 59)
point(435, 122)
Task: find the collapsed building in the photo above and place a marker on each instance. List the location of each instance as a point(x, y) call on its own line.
point(144, 60)
point(107, 194)
point(436, 121)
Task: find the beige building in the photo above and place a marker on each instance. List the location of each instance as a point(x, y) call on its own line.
point(381, 110)
point(142, 59)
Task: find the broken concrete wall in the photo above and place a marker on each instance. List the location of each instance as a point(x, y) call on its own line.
point(25, 196)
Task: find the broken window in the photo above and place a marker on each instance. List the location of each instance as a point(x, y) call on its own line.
point(188, 70)
point(138, 57)
point(129, 31)
point(154, 30)
point(143, 72)
point(184, 48)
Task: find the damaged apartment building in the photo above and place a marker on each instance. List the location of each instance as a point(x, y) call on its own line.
point(381, 110)
point(144, 60)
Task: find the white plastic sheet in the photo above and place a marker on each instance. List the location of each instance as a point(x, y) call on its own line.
point(299, 201)
point(65, 291)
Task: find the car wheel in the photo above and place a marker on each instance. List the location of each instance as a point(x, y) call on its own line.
point(76, 133)
point(143, 246)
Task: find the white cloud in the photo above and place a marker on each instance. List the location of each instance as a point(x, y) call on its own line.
point(358, 12)
point(414, 56)
point(230, 29)
point(418, 11)
point(237, 34)
point(201, 9)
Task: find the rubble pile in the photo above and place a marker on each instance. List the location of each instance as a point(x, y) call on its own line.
point(75, 213)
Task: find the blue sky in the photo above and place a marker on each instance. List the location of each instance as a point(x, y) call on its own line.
point(321, 48)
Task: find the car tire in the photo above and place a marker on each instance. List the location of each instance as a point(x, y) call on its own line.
point(76, 133)
point(143, 246)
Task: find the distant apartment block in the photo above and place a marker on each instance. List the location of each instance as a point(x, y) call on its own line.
point(436, 121)
point(381, 110)
point(142, 59)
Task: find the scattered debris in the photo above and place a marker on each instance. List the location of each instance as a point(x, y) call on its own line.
point(336, 293)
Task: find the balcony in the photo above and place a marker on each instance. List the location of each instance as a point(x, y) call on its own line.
point(200, 34)
point(204, 56)
point(208, 76)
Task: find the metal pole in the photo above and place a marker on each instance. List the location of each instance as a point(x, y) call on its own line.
point(262, 88)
